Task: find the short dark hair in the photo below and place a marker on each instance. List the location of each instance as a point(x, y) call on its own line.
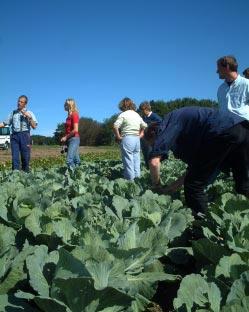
point(229, 61)
point(145, 105)
point(126, 104)
point(25, 97)
point(246, 73)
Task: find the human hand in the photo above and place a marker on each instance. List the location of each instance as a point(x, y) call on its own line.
point(26, 114)
point(63, 139)
point(118, 139)
point(162, 189)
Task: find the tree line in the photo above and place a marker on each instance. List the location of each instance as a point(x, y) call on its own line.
point(94, 133)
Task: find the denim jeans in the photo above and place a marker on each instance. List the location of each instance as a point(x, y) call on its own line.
point(130, 149)
point(73, 157)
point(20, 145)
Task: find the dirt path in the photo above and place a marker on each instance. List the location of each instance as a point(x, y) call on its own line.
point(52, 151)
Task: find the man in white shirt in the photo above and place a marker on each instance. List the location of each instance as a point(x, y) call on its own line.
point(233, 93)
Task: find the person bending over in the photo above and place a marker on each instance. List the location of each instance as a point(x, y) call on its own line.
point(207, 140)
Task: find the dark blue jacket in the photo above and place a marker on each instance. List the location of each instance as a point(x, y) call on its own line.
point(153, 118)
point(185, 130)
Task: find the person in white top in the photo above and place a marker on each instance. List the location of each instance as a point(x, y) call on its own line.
point(233, 93)
point(128, 129)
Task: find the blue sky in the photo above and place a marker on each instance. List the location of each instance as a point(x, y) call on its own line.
point(99, 51)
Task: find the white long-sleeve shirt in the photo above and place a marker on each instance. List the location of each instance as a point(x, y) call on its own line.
point(235, 97)
point(129, 123)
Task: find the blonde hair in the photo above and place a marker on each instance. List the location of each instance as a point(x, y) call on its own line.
point(71, 106)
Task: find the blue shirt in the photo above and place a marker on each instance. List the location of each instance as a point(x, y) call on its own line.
point(153, 118)
point(185, 130)
point(18, 122)
point(235, 97)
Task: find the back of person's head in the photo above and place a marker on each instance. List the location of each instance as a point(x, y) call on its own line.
point(228, 61)
point(126, 104)
point(71, 105)
point(23, 97)
point(246, 73)
point(145, 106)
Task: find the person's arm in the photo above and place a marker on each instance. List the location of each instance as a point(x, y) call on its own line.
point(117, 133)
point(32, 123)
point(2, 125)
point(116, 126)
point(174, 186)
point(141, 133)
point(30, 119)
point(71, 133)
point(155, 178)
point(143, 125)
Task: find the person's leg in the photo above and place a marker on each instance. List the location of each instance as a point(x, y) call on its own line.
point(127, 151)
point(72, 146)
point(136, 157)
point(239, 161)
point(205, 170)
point(77, 154)
point(194, 186)
point(24, 138)
point(14, 142)
point(216, 154)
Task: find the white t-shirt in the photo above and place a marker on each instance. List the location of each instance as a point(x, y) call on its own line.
point(130, 123)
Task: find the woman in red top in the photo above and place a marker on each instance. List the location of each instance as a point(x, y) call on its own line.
point(72, 137)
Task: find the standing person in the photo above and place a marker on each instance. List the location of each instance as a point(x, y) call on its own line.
point(72, 137)
point(207, 140)
point(151, 119)
point(20, 121)
point(233, 94)
point(128, 129)
point(246, 73)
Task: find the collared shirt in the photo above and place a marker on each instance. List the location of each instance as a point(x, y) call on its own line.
point(152, 118)
point(18, 122)
point(185, 130)
point(130, 123)
point(235, 97)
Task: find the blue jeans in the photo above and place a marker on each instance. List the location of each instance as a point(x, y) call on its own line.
point(130, 149)
point(73, 157)
point(20, 145)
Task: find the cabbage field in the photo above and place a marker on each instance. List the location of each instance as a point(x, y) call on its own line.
point(88, 241)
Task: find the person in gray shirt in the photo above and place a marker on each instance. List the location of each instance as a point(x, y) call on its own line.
point(20, 121)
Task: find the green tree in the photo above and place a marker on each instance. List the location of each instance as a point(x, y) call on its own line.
point(107, 132)
point(161, 107)
point(90, 131)
point(59, 132)
point(43, 140)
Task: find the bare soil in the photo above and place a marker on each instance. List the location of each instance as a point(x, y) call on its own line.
point(52, 151)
